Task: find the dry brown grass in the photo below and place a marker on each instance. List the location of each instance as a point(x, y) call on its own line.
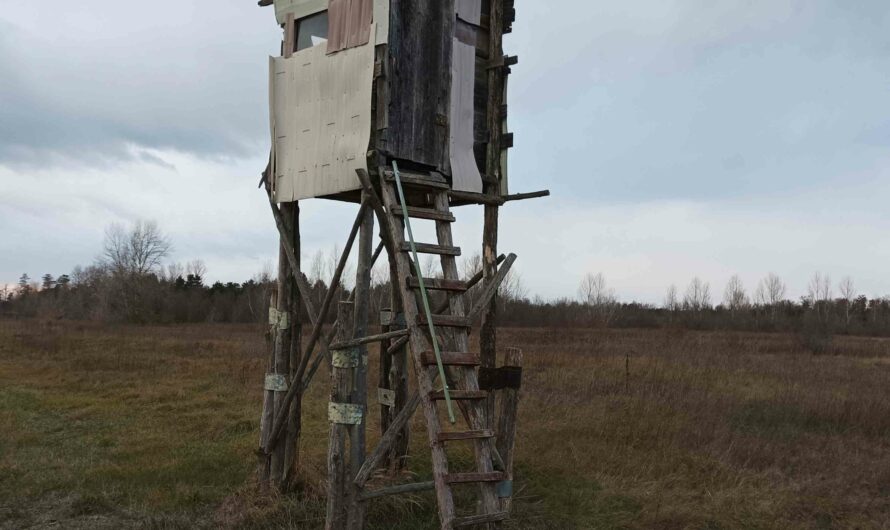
point(131, 426)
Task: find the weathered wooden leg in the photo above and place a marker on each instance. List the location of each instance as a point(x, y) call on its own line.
point(398, 380)
point(495, 119)
point(356, 517)
point(278, 462)
point(268, 413)
point(507, 415)
point(338, 456)
point(294, 423)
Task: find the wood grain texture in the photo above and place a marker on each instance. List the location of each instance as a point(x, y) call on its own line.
point(338, 458)
point(419, 81)
point(507, 421)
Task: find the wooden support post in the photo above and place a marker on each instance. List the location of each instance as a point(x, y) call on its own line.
point(338, 457)
point(295, 414)
point(509, 411)
point(488, 330)
point(356, 510)
point(268, 414)
point(389, 438)
point(396, 376)
point(317, 319)
point(281, 365)
point(397, 381)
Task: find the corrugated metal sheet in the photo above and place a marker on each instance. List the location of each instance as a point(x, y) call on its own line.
point(300, 8)
point(464, 171)
point(349, 23)
point(321, 120)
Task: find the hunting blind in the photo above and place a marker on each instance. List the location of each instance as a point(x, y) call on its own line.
point(399, 106)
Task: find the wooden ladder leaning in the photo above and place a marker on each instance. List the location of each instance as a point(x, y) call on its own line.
point(428, 198)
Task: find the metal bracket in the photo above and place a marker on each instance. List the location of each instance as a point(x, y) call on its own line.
point(386, 397)
point(345, 413)
point(280, 319)
point(276, 383)
point(504, 489)
point(344, 358)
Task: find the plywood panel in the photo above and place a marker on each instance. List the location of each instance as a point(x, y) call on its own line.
point(321, 120)
point(349, 23)
point(381, 19)
point(300, 8)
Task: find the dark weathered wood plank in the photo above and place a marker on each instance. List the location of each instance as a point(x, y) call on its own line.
point(473, 520)
point(438, 284)
point(352, 343)
point(396, 490)
point(428, 248)
point(439, 395)
point(420, 54)
point(417, 180)
point(426, 213)
point(463, 478)
point(465, 435)
point(450, 321)
point(451, 358)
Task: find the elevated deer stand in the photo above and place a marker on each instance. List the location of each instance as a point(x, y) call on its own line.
point(396, 111)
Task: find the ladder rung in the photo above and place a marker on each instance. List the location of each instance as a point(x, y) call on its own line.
point(438, 284)
point(417, 180)
point(459, 394)
point(446, 321)
point(466, 435)
point(451, 358)
point(425, 213)
point(427, 248)
point(480, 519)
point(462, 478)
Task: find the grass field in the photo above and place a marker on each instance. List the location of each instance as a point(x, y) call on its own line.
point(116, 427)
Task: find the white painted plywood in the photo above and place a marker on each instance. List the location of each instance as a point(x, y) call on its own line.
point(381, 19)
point(464, 171)
point(321, 120)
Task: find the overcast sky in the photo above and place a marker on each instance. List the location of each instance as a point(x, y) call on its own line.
point(678, 138)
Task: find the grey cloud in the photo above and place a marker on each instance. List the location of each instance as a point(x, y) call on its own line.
point(97, 107)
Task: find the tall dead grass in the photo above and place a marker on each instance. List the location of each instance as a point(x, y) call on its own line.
point(618, 429)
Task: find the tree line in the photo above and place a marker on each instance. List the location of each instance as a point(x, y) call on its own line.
point(129, 283)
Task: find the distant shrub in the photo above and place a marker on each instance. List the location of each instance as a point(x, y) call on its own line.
point(816, 334)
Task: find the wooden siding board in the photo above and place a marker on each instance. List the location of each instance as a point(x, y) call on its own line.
point(419, 79)
point(349, 24)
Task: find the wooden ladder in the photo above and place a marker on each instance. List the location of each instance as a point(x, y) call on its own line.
point(427, 198)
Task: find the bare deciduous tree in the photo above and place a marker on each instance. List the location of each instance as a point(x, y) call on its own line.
point(770, 293)
point(137, 251)
point(698, 295)
point(819, 293)
point(672, 299)
point(734, 297)
point(600, 300)
point(196, 268)
point(848, 293)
